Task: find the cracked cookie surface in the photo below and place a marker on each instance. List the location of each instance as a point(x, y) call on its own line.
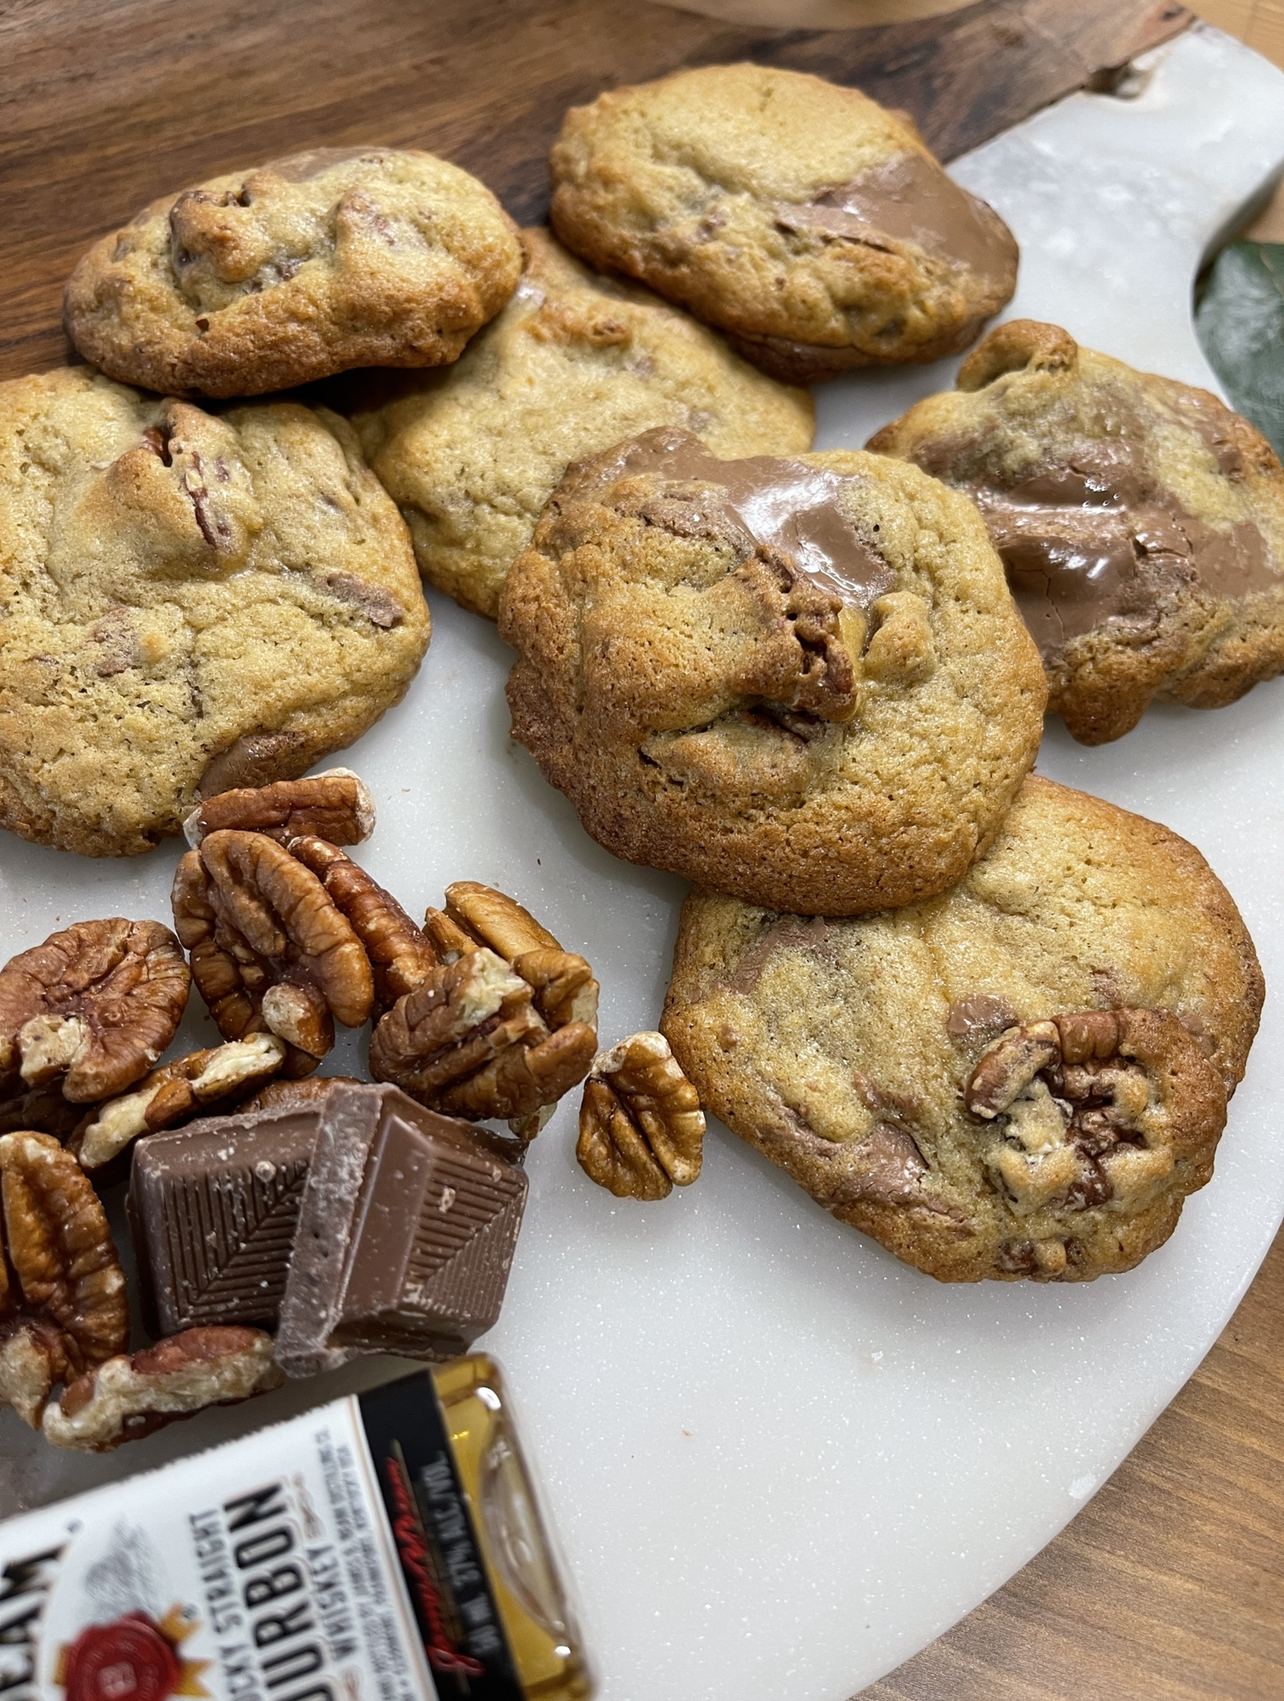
point(575, 363)
point(190, 601)
point(807, 222)
point(1140, 521)
point(800, 680)
point(1025, 1076)
point(299, 268)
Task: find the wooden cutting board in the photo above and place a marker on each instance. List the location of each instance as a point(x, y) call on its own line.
point(109, 103)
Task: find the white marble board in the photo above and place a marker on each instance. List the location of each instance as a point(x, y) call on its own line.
point(779, 1461)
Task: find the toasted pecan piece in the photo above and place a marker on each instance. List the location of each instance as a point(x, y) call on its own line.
point(335, 805)
point(64, 1311)
point(269, 948)
point(641, 1126)
point(126, 1398)
point(176, 1091)
point(93, 1007)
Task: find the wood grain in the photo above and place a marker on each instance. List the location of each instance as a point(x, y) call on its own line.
point(1169, 1585)
point(110, 103)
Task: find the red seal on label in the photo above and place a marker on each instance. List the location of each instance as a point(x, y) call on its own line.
point(130, 1660)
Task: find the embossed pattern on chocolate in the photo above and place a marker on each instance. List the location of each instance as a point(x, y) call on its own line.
point(406, 1232)
point(213, 1210)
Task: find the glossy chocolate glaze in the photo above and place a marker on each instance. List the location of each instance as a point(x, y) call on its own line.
point(910, 199)
point(776, 503)
point(1100, 539)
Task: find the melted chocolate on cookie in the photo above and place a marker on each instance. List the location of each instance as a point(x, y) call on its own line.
point(774, 503)
point(1100, 539)
point(910, 199)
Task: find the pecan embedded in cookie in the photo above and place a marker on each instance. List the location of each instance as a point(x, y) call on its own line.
point(308, 265)
point(1023, 1077)
point(1094, 1106)
point(195, 602)
point(801, 681)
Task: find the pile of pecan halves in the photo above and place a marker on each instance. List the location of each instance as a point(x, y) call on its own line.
point(478, 1014)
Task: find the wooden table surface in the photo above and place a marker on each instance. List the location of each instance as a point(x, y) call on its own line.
point(1169, 1586)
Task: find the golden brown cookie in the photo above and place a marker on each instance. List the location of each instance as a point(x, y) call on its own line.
point(803, 219)
point(1140, 521)
point(263, 279)
point(800, 680)
point(192, 602)
point(574, 363)
point(1023, 1077)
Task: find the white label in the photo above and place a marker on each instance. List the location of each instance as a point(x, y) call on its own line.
point(259, 1571)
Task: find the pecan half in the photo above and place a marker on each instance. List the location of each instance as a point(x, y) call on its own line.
point(296, 1095)
point(1095, 1106)
point(468, 1041)
point(269, 949)
point(127, 1398)
point(641, 1126)
point(65, 1310)
point(95, 1005)
point(175, 1092)
point(335, 805)
point(399, 952)
point(502, 1026)
point(563, 983)
point(810, 661)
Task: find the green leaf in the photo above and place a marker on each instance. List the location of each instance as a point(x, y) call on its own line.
point(1240, 324)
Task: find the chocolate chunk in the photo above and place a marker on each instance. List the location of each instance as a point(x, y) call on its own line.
point(979, 1013)
point(910, 199)
point(257, 759)
point(407, 1227)
point(213, 1209)
point(769, 501)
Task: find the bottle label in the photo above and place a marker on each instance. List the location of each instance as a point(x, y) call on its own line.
point(328, 1558)
point(441, 1560)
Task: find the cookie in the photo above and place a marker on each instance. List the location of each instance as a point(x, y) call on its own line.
point(262, 279)
point(575, 363)
point(804, 220)
point(1141, 522)
point(191, 602)
point(1024, 1077)
point(801, 681)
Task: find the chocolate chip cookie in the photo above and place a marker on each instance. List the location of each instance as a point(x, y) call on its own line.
point(308, 265)
point(1141, 522)
point(804, 220)
point(801, 681)
point(191, 602)
point(574, 363)
point(1023, 1077)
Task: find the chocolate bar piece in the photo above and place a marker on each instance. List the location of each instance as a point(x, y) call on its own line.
point(406, 1232)
point(213, 1208)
